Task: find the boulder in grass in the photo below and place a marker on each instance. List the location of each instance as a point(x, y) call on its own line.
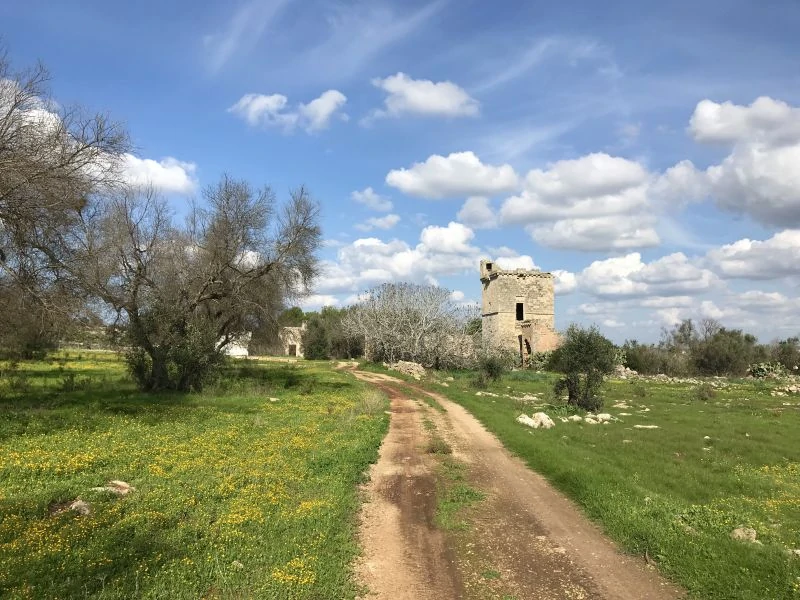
point(116, 486)
point(745, 534)
point(575, 418)
point(539, 420)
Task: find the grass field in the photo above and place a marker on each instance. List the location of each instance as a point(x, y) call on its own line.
point(669, 492)
point(236, 495)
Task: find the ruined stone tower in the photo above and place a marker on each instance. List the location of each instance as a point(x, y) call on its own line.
point(518, 310)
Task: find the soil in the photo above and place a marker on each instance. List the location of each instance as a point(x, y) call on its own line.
point(526, 540)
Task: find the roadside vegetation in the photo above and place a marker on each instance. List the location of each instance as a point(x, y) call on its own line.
point(246, 490)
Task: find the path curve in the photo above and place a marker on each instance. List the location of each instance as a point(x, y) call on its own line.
point(538, 539)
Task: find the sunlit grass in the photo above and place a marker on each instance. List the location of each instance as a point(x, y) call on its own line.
point(670, 492)
point(247, 490)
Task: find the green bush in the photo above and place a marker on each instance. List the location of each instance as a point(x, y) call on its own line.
point(767, 369)
point(727, 352)
point(492, 366)
point(540, 361)
point(584, 358)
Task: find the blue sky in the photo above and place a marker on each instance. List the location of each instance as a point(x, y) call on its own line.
point(648, 153)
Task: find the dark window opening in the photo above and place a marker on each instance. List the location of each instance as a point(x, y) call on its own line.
point(292, 350)
point(520, 312)
point(488, 266)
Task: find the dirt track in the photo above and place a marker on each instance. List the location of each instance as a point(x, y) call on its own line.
point(541, 546)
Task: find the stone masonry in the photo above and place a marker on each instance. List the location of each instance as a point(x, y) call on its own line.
point(518, 310)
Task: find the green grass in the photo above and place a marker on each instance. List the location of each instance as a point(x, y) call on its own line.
point(236, 496)
point(454, 496)
point(668, 491)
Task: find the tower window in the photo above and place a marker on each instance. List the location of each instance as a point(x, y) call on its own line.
point(488, 266)
point(520, 312)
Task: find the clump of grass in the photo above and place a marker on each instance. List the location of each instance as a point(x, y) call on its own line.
point(371, 402)
point(437, 445)
point(638, 389)
point(704, 392)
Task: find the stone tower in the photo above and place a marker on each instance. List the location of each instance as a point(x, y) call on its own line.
point(518, 310)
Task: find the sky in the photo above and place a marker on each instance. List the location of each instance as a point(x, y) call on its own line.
point(648, 154)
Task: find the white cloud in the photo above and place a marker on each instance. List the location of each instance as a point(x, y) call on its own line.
point(765, 120)
point(598, 234)
point(317, 301)
point(367, 262)
point(478, 213)
point(369, 198)
point(516, 262)
point(761, 175)
point(260, 110)
point(613, 323)
point(627, 275)
point(457, 296)
point(459, 174)
point(424, 97)
point(168, 175)
point(386, 222)
point(453, 239)
point(777, 257)
point(565, 282)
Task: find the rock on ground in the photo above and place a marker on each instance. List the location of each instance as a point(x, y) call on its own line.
point(81, 507)
point(411, 369)
point(539, 419)
point(115, 486)
point(645, 426)
point(745, 534)
point(575, 418)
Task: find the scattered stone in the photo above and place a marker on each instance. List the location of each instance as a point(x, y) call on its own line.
point(626, 441)
point(622, 404)
point(590, 421)
point(412, 369)
point(624, 414)
point(604, 417)
point(795, 552)
point(237, 565)
point(645, 426)
point(115, 486)
point(575, 418)
point(444, 384)
point(273, 399)
point(81, 507)
point(745, 534)
point(449, 378)
point(624, 372)
point(539, 420)
point(490, 394)
point(706, 437)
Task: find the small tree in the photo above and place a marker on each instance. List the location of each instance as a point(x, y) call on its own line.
point(584, 358)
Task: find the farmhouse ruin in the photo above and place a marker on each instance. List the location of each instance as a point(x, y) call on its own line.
point(518, 310)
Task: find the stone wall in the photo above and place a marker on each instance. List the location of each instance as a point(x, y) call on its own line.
point(503, 291)
point(292, 340)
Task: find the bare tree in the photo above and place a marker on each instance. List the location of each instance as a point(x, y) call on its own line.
point(420, 323)
point(184, 293)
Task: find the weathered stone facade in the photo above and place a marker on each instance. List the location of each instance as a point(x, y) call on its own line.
point(291, 339)
point(518, 310)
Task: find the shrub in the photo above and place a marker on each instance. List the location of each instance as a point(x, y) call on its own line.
point(584, 358)
point(492, 366)
point(767, 369)
point(540, 361)
point(727, 352)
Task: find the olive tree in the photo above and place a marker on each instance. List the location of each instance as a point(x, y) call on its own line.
point(585, 358)
point(419, 323)
point(183, 293)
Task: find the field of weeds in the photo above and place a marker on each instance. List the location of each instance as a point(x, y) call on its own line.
point(248, 490)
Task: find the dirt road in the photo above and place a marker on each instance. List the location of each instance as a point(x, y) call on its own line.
point(529, 537)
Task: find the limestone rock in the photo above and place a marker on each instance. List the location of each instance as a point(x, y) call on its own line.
point(645, 426)
point(575, 418)
point(411, 369)
point(81, 507)
point(604, 417)
point(590, 421)
point(539, 420)
point(115, 486)
point(745, 534)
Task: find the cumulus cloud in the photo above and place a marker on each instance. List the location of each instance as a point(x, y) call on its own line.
point(516, 262)
point(761, 175)
point(565, 282)
point(386, 222)
point(621, 276)
point(596, 202)
point(317, 301)
point(477, 212)
point(369, 198)
point(776, 257)
point(423, 97)
point(260, 110)
point(366, 262)
point(458, 174)
point(598, 233)
point(168, 175)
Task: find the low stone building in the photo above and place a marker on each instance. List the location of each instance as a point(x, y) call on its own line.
point(238, 346)
point(291, 340)
point(518, 310)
